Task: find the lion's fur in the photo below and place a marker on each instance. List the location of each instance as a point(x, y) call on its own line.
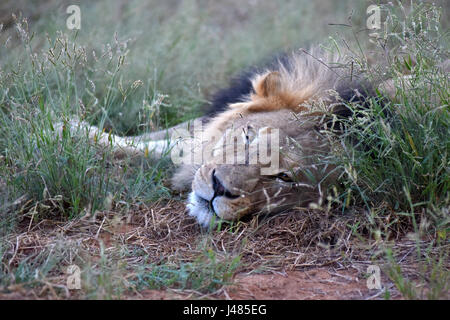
point(291, 83)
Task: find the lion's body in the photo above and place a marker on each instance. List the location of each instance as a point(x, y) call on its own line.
point(284, 106)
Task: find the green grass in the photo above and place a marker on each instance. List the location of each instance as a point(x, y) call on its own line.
point(398, 170)
point(207, 273)
point(400, 161)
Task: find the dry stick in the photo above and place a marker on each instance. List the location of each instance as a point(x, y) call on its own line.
point(15, 251)
point(32, 217)
point(101, 225)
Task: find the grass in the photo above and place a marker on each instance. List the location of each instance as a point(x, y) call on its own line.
point(123, 79)
point(207, 273)
point(128, 80)
point(399, 168)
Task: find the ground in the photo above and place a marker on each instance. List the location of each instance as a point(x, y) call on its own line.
point(285, 256)
point(314, 283)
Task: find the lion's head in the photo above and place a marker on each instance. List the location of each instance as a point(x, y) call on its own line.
point(231, 191)
point(266, 153)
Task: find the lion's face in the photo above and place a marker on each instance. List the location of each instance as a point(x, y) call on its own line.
point(281, 114)
point(291, 177)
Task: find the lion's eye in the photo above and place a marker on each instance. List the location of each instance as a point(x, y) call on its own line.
point(284, 176)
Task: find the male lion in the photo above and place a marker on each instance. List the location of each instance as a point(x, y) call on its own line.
point(281, 110)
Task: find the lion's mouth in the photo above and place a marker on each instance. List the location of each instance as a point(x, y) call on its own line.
point(201, 209)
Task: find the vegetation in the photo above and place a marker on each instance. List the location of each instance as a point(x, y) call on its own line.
point(136, 66)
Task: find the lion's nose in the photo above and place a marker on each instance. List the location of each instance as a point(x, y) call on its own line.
point(219, 189)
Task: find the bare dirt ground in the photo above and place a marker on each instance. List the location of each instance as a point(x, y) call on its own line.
point(297, 255)
point(315, 283)
point(312, 284)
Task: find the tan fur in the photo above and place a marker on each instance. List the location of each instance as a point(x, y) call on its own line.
point(284, 89)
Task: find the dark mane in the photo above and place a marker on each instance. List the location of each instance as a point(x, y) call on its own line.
point(240, 86)
point(355, 91)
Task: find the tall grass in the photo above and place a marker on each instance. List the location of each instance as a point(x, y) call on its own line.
point(133, 67)
point(400, 162)
point(65, 175)
point(394, 156)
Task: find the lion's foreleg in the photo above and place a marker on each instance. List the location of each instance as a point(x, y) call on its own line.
point(121, 146)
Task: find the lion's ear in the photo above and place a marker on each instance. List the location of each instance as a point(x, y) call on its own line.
point(268, 84)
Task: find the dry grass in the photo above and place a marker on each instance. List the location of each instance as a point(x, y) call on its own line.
point(163, 235)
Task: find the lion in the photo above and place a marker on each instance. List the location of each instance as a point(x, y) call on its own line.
point(265, 141)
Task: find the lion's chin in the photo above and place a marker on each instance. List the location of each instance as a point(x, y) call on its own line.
point(199, 208)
